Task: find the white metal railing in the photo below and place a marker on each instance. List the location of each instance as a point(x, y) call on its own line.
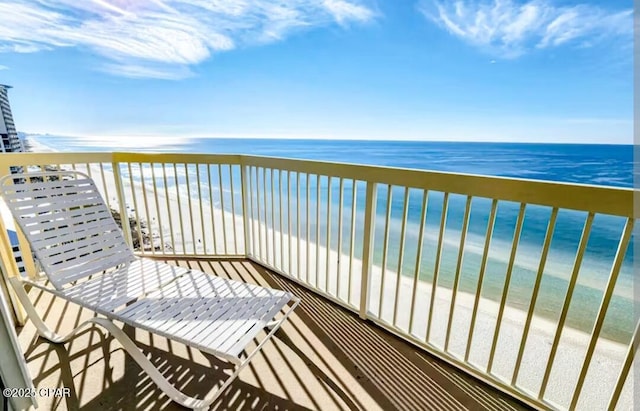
point(463, 266)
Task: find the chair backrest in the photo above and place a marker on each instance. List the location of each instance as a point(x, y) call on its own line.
point(66, 222)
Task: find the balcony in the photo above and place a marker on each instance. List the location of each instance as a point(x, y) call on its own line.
point(405, 305)
point(325, 358)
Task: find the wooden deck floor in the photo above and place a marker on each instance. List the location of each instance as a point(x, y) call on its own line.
point(323, 358)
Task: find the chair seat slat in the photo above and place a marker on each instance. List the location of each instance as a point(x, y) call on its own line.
point(69, 233)
point(62, 251)
point(113, 289)
point(223, 316)
point(37, 204)
point(71, 206)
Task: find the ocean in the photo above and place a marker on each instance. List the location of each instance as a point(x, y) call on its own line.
point(610, 165)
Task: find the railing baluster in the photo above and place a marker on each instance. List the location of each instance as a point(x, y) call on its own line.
point(146, 209)
point(124, 216)
point(352, 239)
point(483, 268)
point(298, 236)
point(507, 282)
point(339, 262)
point(224, 217)
point(534, 294)
point(290, 249)
point(193, 231)
point(104, 185)
point(436, 268)
point(175, 176)
point(328, 248)
point(403, 232)
point(266, 224)
point(202, 222)
point(626, 367)
point(274, 251)
point(280, 220)
point(259, 226)
point(602, 312)
point(169, 207)
point(367, 246)
point(456, 279)
point(211, 208)
point(584, 240)
point(233, 212)
point(308, 215)
point(155, 196)
point(247, 209)
point(135, 209)
point(298, 253)
point(416, 273)
point(318, 203)
point(251, 192)
point(385, 248)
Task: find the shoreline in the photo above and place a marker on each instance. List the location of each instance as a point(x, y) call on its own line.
point(607, 358)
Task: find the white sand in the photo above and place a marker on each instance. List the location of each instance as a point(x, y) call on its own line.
point(605, 365)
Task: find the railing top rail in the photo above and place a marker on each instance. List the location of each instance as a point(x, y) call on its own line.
point(583, 197)
point(13, 159)
point(591, 198)
point(189, 158)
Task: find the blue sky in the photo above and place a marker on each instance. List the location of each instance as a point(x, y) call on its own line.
point(473, 70)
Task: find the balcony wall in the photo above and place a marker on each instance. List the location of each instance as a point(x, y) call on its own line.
point(523, 284)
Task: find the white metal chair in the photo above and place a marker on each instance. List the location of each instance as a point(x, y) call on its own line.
point(82, 252)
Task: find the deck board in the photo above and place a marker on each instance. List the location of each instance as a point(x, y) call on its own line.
point(323, 358)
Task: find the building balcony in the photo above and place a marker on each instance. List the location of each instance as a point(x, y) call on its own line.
point(420, 290)
point(324, 358)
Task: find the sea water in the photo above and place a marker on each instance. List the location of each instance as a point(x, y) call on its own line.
point(610, 165)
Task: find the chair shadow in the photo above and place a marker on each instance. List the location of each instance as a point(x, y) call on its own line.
point(86, 366)
point(396, 374)
point(134, 390)
point(366, 365)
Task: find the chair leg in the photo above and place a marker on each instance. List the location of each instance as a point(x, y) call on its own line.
point(129, 346)
point(273, 326)
point(132, 349)
point(43, 330)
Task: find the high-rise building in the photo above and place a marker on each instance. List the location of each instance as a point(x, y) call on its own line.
point(9, 141)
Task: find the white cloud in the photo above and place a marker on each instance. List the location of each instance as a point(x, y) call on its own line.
point(344, 11)
point(163, 38)
point(165, 72)
point(508, 28)
point(3, 67)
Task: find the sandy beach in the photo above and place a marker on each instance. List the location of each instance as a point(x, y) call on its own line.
point(209, 238)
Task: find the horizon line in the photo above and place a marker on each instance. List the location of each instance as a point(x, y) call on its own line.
point(315, 138)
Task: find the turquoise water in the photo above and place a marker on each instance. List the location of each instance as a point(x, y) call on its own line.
point(590, 164)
